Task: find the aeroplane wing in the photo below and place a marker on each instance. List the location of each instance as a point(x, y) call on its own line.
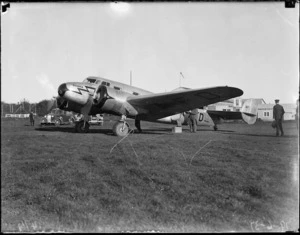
point(156, 106)
point(231, 115)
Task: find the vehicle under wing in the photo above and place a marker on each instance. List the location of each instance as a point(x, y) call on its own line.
point(156, 106)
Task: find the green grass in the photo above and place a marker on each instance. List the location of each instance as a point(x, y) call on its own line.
point(241, 178)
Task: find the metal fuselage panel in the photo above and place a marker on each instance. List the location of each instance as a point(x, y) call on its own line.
point(78, 94)
point(202, 117)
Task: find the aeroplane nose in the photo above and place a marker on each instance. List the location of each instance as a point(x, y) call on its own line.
point(62, 89)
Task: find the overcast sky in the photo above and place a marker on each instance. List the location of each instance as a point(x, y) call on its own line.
point(252, 46)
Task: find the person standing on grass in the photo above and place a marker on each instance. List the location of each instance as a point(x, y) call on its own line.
point(278, 113)
point(189, 120)
point(193, 120)
point(31, 119)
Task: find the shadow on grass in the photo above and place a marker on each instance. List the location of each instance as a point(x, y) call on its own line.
point(264, 135)
point(225, 131)
point(158, 131)
point(108, 131)
point(72, 130)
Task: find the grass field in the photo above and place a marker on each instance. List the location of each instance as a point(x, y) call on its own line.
point(240, 178)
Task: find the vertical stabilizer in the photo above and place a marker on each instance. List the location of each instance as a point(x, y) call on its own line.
point(249, 111)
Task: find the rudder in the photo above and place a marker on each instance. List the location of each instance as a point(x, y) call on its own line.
point(249, 111)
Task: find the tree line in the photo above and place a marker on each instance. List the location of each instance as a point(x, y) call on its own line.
point(23, 107)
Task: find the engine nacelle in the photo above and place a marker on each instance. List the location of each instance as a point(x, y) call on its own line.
point(113, 101)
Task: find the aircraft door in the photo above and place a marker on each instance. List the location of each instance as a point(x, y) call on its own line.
point(100, 96)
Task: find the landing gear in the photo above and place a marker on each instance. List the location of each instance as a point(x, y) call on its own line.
point(121, 128)
point(82, 127)
point(138, 125)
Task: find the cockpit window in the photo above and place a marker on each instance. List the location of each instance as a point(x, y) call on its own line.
point(106, 83)
point(91, 80)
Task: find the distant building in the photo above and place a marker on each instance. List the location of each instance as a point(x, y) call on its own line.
point(18, 115)
point(265, 112)
point(231, 105)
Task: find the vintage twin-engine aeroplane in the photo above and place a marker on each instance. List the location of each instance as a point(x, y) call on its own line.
point(97, 95)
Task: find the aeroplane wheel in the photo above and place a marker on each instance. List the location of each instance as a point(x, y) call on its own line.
point(120, 129)
point(80, 128)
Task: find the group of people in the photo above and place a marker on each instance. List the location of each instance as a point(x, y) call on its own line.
point(278, 113)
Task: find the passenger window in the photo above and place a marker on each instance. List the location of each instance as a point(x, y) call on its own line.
point(106, 83)
point(135, 93)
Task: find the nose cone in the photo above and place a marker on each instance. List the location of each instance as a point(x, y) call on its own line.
point(62, 89)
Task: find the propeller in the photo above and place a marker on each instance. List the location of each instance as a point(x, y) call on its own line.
point(51, 104)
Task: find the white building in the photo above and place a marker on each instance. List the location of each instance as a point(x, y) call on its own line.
point(265, 111)
point(234, 104)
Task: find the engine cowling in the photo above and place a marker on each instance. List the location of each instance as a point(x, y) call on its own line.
point(113, 101)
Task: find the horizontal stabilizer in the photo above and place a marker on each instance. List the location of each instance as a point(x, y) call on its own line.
point(249, 114)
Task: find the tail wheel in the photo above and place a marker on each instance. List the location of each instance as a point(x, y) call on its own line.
point(121, 128)
point(81, 128)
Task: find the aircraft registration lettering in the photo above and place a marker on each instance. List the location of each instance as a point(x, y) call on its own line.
point(201, 116)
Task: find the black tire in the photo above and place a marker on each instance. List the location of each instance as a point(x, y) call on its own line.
point(121, 129)
point(80, 129)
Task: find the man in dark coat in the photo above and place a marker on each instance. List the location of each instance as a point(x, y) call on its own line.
point(31, 119)
point(278, 113)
